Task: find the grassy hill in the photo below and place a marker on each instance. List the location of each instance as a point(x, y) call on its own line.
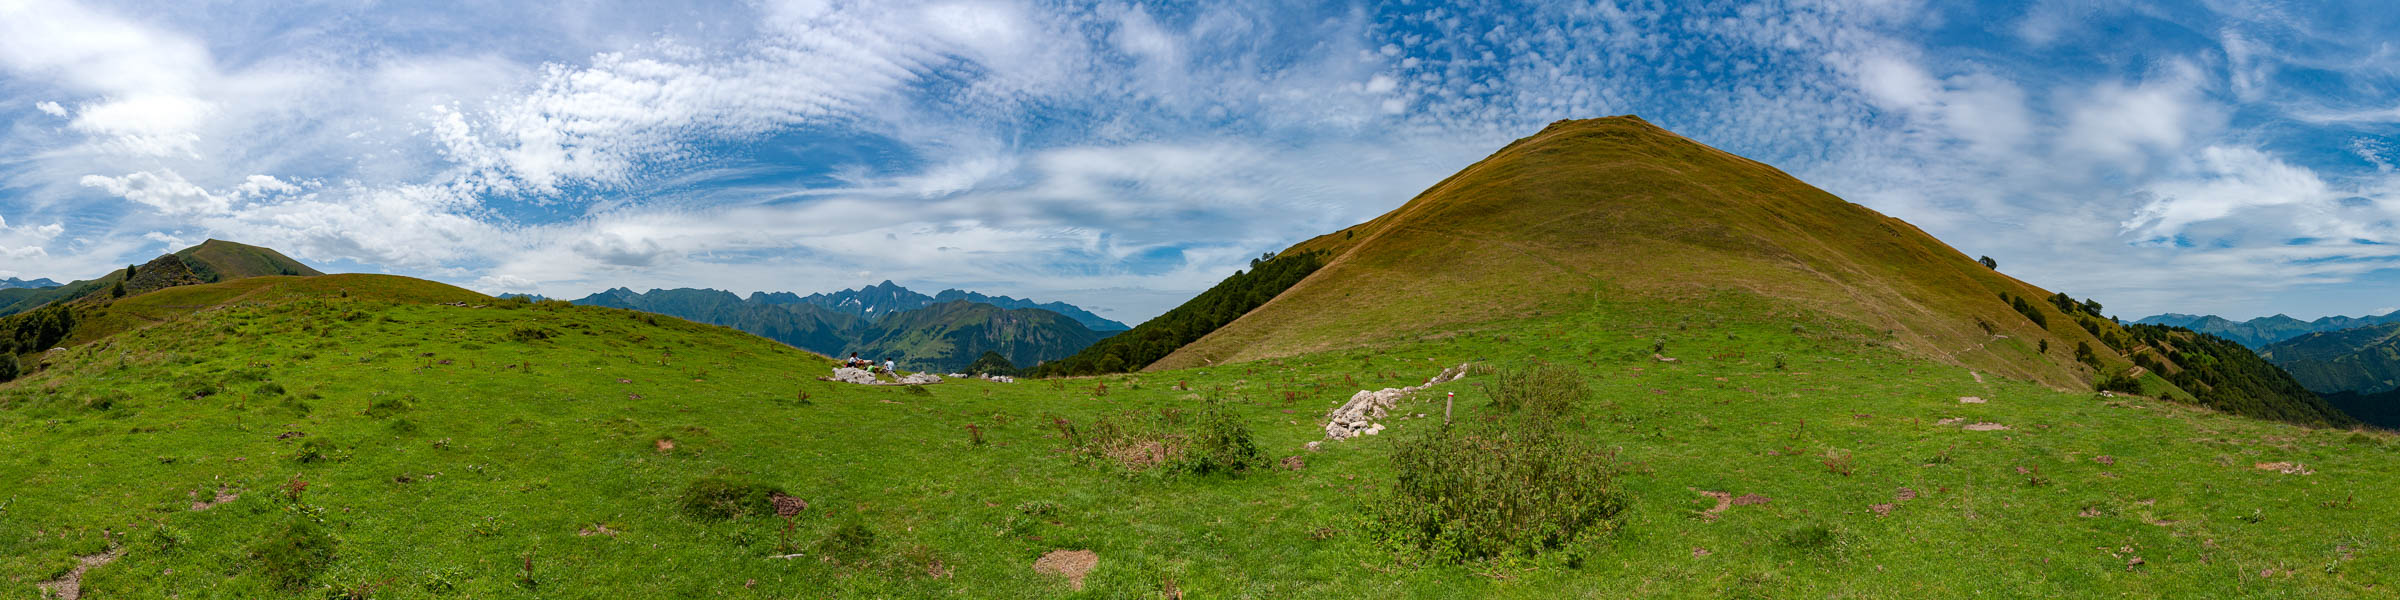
point(314, 437)
point(211, 261)
point(2364, 360)
point(1617, 209)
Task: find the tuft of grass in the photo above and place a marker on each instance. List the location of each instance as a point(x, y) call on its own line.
point(295, 553)
point(722, 499)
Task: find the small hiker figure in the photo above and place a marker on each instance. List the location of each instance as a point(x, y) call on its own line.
point(888, 367)
point(854, 361)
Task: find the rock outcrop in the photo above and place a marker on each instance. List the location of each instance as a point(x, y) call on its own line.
point(1358, 416)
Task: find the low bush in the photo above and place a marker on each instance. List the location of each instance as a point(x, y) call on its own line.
point(1220, 444)
point(721, 499)
point(1461, 496)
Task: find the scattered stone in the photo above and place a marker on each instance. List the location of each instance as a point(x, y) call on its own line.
point(1949, 421)
point(1357, 417)
point(1986, 427)
point(920, 379)
point(1969, 400)
point(1312, 446)
point(1071, 564)
point(1662, 358)
point(854, 375)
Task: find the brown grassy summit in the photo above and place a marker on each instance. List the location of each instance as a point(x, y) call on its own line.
point(1620, 209)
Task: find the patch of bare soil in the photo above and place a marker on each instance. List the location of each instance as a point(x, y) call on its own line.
point(1969, 400)
point(1071, 564)
point(70, 586)
point(1724, 501)
point(1294, 463)
point(1699, 552)
point(220, 497)
point(1904, 495)
point(1986, 427)
point(2105, 459)
point(1751, 500)
point(1882, 510)
point(2287, 468)
point(596, 529)
point(787, 506)
point(664, 445)
point(1950, 421)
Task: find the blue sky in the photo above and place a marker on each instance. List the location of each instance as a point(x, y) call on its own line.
point(2219, 156)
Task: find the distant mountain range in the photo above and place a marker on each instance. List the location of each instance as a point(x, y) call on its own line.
point(15, 283)
point(944, 332)
point(887, 298)
point(2259, 332)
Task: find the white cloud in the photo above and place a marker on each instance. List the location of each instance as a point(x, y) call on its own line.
point(51, 108)
point(163, 190)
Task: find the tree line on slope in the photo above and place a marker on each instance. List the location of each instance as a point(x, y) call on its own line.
point(1269, 276)
point(2227, 376)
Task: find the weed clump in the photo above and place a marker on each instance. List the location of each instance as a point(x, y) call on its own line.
point(385, 407)
point(1808, 539)
point(1541, 390)
point(527, 333)
point(721, 499)
point(294, 554)
point(852, 543)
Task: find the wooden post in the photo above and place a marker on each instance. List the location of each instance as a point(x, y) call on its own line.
point(1452, 398)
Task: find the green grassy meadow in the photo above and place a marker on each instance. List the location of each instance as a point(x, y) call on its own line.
point(516, 451)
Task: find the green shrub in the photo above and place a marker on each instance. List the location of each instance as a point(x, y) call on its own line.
point(720, 499)
point(2119, 383)
point(1462, 496)
point(1220, 444)
point(294, 554)
point(527, 333)
point(317, 450)
point(8, 366)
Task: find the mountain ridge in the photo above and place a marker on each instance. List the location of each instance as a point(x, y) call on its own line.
point(2260, 332)
point(872, 323)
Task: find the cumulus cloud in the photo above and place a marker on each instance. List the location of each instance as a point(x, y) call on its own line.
point(51, 108)
point(163, 190)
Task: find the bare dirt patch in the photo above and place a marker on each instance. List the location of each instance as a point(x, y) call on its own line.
point(1904, 495)
point(70, 586)
point(1986, 427)
point(1724, 501)
point(1751, 500)
point(1071, 564)
point(2105, 459)
point(2287, 468)
point(1969, 400)
point(1881, 510)
point(596, 529)
point(664, 445)
point(220, 497)
point(1294, 463)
